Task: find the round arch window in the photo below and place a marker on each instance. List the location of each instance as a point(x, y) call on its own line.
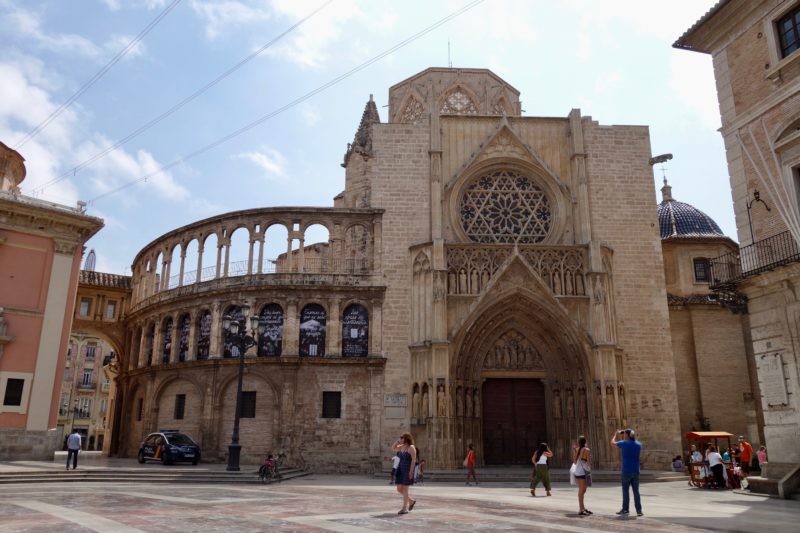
point(505, 207)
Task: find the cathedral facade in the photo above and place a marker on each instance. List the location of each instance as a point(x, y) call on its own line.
point(488, 278)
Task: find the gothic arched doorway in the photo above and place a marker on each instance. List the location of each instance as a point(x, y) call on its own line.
point(527, 368)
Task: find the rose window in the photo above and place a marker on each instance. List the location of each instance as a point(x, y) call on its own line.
point(505, 207)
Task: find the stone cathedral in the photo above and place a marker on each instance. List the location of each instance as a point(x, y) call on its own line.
point(488, 278)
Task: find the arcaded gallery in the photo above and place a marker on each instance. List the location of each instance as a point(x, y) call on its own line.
point(487, 278)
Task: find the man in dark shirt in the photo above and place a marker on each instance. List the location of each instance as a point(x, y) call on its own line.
point(631, 452)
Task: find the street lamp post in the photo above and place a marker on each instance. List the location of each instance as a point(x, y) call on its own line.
point(74, 410)
point(236, 335)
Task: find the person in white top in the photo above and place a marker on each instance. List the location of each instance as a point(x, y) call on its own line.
point(541, 471)
point(73, 447)
point(395, 464)
point(717, 466)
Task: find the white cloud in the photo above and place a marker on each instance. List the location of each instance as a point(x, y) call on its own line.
point(268, 159)
point(226, 15)
point(29, 25)
point(112, 5)
point(24, 103)
point(117, 43)
point(120, 167)
point(310, 44)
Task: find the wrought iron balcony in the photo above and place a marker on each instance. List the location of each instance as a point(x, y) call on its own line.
point(84, 386)
point(761, 256)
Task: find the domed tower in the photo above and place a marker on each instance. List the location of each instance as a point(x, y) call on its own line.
point(714, 380)
point(689, 237)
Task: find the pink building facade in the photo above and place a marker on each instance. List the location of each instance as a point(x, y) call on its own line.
point(41, 244)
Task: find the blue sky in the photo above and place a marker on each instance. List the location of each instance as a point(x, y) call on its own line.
point(612, 59)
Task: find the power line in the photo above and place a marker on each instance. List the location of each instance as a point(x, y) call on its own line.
point(291, 104)
point(42, 125)
point(176, 107)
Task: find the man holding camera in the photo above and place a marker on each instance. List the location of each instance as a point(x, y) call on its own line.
point(631, 451)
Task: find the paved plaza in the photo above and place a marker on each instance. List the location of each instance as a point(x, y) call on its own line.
point(362, 504)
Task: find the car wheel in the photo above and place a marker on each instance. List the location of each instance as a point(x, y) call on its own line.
point(166, 459)
point(196, 460)
point(140, 458)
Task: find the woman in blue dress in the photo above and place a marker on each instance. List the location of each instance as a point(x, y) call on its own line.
point(404, 478)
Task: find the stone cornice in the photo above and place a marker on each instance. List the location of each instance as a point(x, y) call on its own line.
point(68, 226)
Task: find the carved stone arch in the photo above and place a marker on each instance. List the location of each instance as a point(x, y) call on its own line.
point(517, 291)
point(538, 200)
point(314, 220)
point(163, 384)
point(787, 143)
point(274, 221)
point(268, 377)
point(411, 108)
point(422, 263)
point(267, 417)
point(459, 99)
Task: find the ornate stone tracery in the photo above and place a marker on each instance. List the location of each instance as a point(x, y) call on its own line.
point(470, 268)
point(412, 111)
point(458, 102)
point(505, 207)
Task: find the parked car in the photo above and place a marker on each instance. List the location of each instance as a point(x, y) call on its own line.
point(169, 446)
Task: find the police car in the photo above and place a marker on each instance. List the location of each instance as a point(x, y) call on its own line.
point(169, 446)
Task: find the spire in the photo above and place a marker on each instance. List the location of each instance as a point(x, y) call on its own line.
point(362, 143)
point(666, 192)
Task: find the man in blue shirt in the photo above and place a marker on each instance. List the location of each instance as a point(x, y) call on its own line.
point(631, 451)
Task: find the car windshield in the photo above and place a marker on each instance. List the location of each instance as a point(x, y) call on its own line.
point(179, 439)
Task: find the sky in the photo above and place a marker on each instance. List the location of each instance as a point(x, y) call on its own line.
point(613, 59)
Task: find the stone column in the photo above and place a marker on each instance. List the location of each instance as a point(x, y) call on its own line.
point(250, 257)
point(218, 273)
point(183, 266)
point(191, 353)
point(157, 340)
point(583, 228)
point(173, 349)
point(199, 273)
point(142, 347)
point(333, 328)
point(227, 256)
point(215, 348)
point(260, 268)
point(375, 328)
point(291, 330)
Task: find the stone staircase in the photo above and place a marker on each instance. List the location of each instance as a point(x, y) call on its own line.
point(781, 480)
point(164, 474)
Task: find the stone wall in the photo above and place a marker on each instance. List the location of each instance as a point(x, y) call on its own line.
point(622, 204)
point(401, 186)
point(22, 445)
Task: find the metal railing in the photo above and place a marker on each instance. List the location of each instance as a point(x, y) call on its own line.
point(761, 256)
point(87, 385)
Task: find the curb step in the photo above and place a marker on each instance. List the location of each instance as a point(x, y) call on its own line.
point(117, 476)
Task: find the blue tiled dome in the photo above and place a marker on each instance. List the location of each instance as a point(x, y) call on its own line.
point(677, 219)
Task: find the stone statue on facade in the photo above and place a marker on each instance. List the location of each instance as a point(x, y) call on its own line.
point(415, 404)
point(441, 406)
point(425, 404)
point(468, 406)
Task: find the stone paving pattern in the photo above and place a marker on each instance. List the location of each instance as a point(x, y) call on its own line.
point(360, 504)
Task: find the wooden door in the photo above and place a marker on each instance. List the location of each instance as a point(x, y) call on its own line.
point(514, 420)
